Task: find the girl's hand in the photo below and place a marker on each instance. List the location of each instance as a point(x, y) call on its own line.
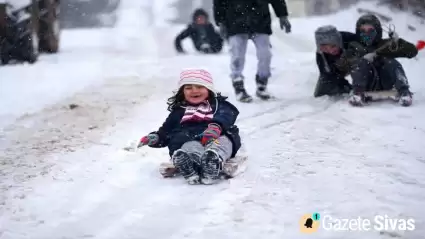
point(150, 139)
point(211, 133)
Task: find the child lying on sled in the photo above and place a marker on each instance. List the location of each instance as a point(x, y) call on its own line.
point(200, 130)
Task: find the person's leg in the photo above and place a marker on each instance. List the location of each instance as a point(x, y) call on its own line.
point(363, 75)
point(187, 159)
point(331, 85)
point(264, 57)
point(392, 75)
point(238, 45)
point(216, 154)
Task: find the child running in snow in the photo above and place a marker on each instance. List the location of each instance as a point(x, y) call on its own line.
point(200, 130)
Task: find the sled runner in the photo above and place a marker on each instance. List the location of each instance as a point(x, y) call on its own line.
point(382, 95)
point(231, 168)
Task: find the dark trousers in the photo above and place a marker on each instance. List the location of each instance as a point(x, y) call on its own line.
point(384, 74)
point(331, 85)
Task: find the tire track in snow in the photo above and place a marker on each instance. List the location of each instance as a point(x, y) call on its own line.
point(315, 169)
point(279, 114)
point(160, 208)
point(223, 207)
point(57, 129)
point(293, 118)
point(222, 204)
point(190, 204)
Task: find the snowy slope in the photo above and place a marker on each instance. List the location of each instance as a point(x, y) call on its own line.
point(64, 175)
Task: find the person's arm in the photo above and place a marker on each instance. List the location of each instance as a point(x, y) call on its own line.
point(164, 131)
point(279, 7)
point(226, 115)
point(401, 49)
point(347, 37)
point(322, 64)
point(219, 8)
point(180, 37)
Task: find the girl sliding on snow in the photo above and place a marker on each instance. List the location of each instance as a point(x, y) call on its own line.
point(200, 131)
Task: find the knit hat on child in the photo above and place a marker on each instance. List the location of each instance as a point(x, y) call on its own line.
point(328, 35)
point(197, 77)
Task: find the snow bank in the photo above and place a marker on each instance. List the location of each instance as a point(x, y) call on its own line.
point(84, 60)
point(25, 89)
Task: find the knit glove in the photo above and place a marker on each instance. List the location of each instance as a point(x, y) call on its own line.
point(211, 133)
point(150, 139)
point(284, 23)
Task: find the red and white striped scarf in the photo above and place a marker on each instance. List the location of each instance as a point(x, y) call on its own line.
point(199, 113)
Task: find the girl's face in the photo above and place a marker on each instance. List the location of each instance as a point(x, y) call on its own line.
point(330, 49)
point(195, 94)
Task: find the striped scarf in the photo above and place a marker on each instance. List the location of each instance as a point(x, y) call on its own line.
point(199, 113)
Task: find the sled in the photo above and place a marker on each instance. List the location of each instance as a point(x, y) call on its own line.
point(382, 95)
point(231, 168)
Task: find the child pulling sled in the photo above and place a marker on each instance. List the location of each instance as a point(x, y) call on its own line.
point(200, 130)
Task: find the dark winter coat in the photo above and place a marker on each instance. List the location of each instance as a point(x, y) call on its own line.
point(383, 47)
point(200, 34)
point(333, 69)
point(247, 16)
point(174, 134)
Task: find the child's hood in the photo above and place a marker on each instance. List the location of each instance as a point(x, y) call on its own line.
point(199, 12)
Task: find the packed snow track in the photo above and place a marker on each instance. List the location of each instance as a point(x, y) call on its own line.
point(64, 175)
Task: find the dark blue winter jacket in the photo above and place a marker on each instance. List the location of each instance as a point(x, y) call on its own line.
point(174, 134)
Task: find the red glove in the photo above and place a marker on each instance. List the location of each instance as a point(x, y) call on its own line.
point(211, 133)
point(150, 139)
point(420, 45)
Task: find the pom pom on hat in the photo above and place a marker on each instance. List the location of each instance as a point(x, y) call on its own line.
point(197, 77)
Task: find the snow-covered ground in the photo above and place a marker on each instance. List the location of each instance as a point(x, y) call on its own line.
point(63, 173)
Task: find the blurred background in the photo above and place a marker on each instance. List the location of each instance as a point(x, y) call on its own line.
point(88, 13)
point(31, 27)
point(303, 8)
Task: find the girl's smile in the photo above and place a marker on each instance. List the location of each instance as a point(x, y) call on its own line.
point(195, 94)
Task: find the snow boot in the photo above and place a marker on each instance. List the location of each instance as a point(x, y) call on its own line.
point(406, 98)
point(212, 165)
point(261, 87)
point(241, 94)
point(357, 99)
point(185, 164)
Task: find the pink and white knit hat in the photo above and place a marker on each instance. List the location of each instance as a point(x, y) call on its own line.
point(197, 77)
